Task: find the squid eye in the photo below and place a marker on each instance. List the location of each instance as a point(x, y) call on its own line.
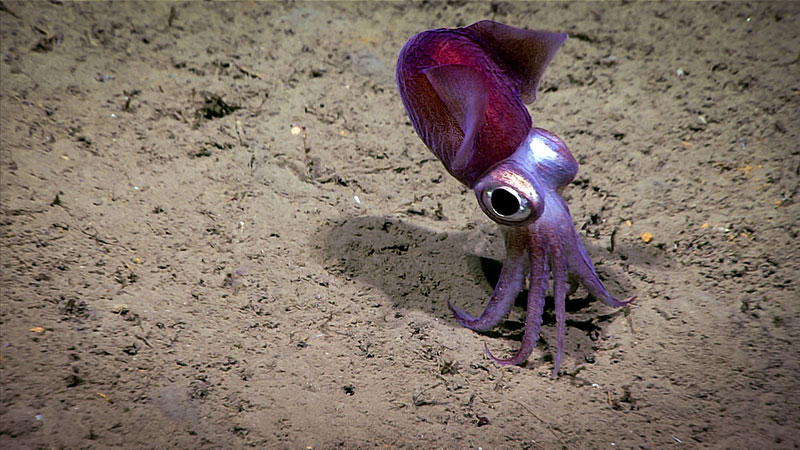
point(506, 204)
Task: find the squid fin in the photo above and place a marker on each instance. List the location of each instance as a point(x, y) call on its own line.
point(525, 53)
point(463, 90)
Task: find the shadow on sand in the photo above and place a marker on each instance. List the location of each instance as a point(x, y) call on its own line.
point(419, 268)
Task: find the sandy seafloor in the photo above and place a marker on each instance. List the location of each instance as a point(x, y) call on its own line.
point(172, 279)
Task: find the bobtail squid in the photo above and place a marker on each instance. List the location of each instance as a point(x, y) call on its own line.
point(465, 91)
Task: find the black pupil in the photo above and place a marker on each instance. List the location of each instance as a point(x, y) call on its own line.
point(504, 202)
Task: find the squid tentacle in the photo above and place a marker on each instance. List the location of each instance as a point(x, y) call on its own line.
point(558, 265)
point(580, 266)
point(509, 285)
point(539, 280)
